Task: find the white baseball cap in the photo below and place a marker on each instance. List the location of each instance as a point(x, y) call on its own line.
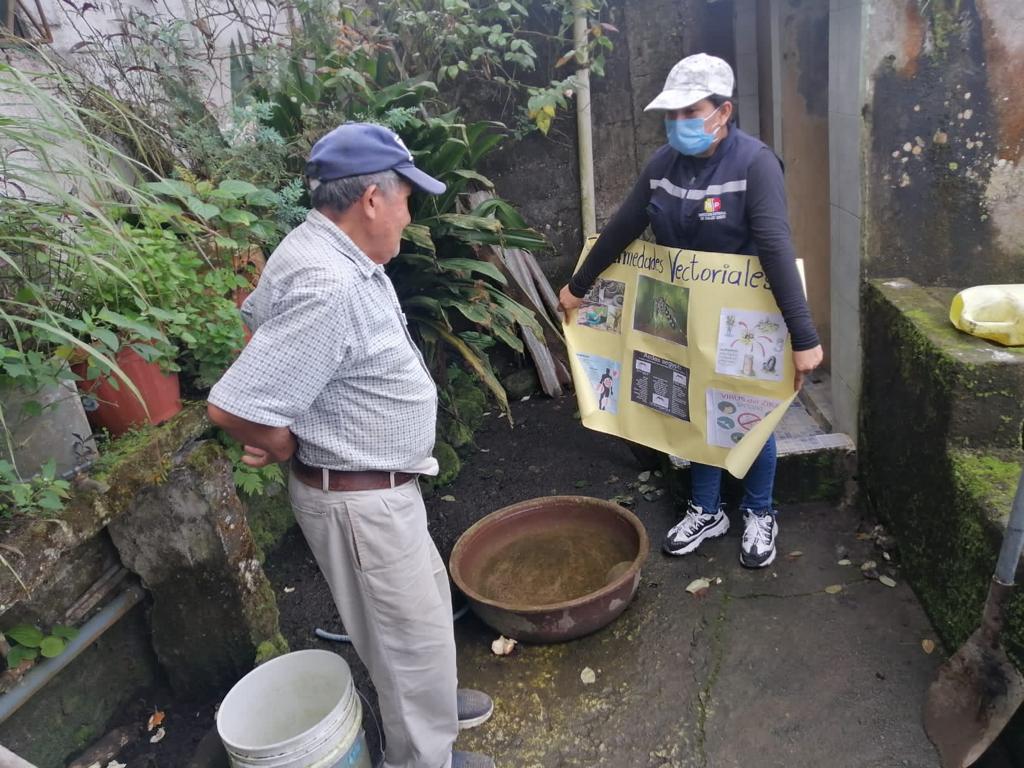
point(692, 79)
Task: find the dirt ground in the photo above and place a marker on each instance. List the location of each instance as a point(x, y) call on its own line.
point(765, 668)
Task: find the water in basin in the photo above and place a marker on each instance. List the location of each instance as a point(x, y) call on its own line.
point(555, 564)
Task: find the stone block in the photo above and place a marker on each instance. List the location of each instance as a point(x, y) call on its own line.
point(941, 450)
point(213, 610)
point(36, 547)
point(944, 384)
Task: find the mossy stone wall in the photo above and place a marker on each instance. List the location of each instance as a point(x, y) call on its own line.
point(940, 450)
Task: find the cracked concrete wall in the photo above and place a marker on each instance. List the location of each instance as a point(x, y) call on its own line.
point(945, 139)
point(653, 35)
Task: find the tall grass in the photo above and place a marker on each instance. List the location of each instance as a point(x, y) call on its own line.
point(64, 187)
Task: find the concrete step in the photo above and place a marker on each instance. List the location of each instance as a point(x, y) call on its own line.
point(815, 463)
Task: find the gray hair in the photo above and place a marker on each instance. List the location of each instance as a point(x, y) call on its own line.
point(338, 194)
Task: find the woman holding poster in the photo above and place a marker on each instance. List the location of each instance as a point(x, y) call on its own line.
point(713, 188)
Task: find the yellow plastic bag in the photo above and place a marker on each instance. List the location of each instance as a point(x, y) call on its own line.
point(994, 312)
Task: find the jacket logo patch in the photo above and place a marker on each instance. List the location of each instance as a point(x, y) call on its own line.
point(712, 209)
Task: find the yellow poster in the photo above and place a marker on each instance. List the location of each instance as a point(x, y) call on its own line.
point(682, 351)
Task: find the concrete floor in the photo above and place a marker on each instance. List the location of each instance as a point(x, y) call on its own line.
point(765, 669)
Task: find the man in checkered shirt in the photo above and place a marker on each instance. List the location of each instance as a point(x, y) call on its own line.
point(332, 381)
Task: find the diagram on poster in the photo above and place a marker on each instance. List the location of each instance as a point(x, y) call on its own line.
point(602, 306)
point(603, 375)
point(661, 384)
point(750, 344)
point(732, 415)
point(661, 309)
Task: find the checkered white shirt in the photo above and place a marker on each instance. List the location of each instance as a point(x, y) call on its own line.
point(332, 359)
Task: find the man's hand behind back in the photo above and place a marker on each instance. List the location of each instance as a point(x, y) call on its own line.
point(263, 445)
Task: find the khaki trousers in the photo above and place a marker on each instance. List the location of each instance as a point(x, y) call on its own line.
point(391, 589)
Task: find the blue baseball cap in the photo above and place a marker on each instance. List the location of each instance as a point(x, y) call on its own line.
point(356, 149)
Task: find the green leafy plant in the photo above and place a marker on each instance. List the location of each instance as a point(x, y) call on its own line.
point(41, 495)
point(64, 186)
point(251, 480)
point(29, 642)
point(235, 213)
point(444, 289)
point(187, 298)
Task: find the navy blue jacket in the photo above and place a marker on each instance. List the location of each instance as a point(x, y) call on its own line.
point(731, 202)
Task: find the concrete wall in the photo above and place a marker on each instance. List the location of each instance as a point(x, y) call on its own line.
point(845, 127)
point(945, 139)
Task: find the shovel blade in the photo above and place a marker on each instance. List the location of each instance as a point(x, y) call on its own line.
point(974, 695)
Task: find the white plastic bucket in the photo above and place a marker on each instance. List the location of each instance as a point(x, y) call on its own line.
point(300, 710)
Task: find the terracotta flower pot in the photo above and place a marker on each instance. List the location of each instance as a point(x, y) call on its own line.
point(118, 410)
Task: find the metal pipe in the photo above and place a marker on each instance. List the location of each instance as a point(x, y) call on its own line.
point(45, 670)
point(1013, 539)
point(584, 127)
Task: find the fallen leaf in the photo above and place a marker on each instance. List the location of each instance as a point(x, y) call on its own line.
point(115, 764)
point(834, 589)
point(644, 476)
point(794, 555)
point(158, 736)
point(887, 581)
point(157, 718)
point(503, 646)
point(287, 591)
point(927, 645)
point(863, 536)
point(448, 497)
point(658, 473)
point(844, 561)
point(581, 483)
point(697, 586)
point(485, 450)
point(524, 399)
point(868, 565)
point(612, 480)
point(588, 676)
point(718, 580)
point(887, 556)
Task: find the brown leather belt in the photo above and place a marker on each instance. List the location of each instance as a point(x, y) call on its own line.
point(370, 480)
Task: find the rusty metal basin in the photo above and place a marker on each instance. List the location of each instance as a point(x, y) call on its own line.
point(551, 569)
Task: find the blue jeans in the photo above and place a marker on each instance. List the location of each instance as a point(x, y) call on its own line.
point(706, 483)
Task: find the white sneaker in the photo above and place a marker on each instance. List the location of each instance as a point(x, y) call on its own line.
point(696, 525)
point(757, 549)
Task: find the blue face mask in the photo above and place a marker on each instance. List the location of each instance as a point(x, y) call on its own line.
point(688, 136)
